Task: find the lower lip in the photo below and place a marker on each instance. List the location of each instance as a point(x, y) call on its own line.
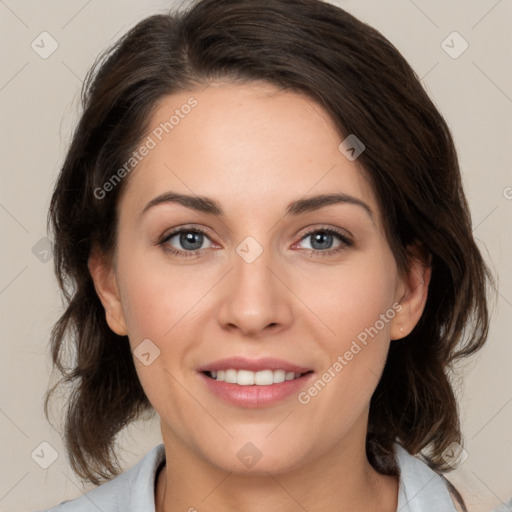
point(256, 396)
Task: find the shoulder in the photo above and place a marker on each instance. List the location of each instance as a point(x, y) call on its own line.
point(421, 488)
point(130, 491)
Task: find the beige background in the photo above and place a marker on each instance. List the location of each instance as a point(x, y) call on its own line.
point(39, 105)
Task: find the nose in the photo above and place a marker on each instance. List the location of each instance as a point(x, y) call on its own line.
point(255, 299)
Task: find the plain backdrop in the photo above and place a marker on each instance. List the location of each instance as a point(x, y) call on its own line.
point(39, 101)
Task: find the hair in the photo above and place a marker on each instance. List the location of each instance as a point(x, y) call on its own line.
point(368, 89)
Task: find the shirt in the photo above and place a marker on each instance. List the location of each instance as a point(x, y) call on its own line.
point(420, 488)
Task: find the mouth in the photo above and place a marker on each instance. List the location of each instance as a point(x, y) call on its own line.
point(255, 383)
point(242, 377)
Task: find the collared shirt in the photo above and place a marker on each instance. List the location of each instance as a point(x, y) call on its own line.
point(420, 489)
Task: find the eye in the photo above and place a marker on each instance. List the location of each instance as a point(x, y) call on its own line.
point(186, 241)
point(325, 240)
point(191, 241)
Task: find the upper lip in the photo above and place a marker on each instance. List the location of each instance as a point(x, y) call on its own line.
point(255, 365)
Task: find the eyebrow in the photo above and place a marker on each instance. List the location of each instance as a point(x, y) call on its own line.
point(210, 206)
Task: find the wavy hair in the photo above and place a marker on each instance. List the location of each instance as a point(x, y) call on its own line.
point(365, 85)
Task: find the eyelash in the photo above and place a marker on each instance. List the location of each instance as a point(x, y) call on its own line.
point(345, 242)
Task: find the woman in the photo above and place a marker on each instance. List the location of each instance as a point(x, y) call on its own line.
point(262, 235)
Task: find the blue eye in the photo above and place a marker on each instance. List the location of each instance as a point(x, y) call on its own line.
point(189, 241)
point(326, 241)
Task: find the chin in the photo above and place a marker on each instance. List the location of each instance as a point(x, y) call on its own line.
point(257, 454)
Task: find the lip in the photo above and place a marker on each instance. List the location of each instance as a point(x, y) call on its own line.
point(255, 396)
point(254, 365)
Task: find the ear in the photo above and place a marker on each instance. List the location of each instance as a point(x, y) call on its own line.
point(105, 282)
point(412, 292)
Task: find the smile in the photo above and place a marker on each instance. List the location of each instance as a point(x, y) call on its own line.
point(250, 378)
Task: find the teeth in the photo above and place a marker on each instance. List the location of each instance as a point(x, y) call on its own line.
point(248, 378)
point(230, 376)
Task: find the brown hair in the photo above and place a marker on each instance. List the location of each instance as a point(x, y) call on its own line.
point(368, 89)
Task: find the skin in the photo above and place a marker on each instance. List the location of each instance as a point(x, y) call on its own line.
point(254, 149)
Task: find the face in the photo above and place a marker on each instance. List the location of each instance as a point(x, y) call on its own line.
point(250, 277)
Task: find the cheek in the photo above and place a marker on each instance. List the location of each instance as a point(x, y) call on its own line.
point(352, 297)
point(356, 304)
point(165, 304)
point(159, 305)
point(158, 298)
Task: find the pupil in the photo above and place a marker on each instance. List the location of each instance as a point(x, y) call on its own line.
point(191, 241)
point(322, 238)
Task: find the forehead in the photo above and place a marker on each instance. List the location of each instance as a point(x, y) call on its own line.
point(245, 145)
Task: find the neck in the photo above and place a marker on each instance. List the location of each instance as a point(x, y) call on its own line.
point(342, 479)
